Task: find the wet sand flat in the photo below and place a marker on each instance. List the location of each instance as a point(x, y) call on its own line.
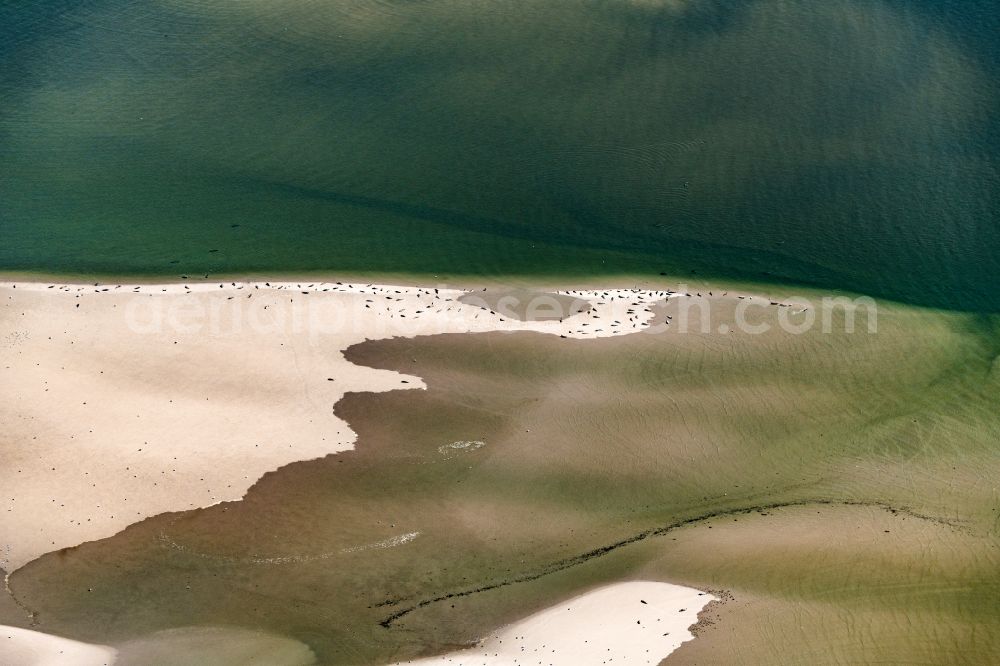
point(534, 468)
point(23, 646)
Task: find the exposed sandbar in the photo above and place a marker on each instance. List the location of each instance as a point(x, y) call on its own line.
point(124, 401)
point(636, 622)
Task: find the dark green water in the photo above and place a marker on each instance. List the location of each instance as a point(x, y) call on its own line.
point(848, 144)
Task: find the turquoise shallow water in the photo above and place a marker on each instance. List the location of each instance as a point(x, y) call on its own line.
point(847, 144)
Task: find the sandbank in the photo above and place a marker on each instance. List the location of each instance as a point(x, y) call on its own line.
point(636, 622)
point(24, 647)
point(125, 401)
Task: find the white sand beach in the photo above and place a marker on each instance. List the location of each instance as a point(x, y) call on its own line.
point(636, 622)
point(120, 402)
